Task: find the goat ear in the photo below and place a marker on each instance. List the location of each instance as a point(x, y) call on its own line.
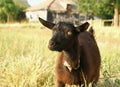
point(82, 27)
point(46, 23)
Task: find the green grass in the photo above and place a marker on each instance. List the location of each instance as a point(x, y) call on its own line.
point(26, 61)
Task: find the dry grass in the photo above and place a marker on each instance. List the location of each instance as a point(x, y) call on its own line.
point(25, 60)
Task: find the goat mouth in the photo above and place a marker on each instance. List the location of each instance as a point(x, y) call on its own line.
point(54, 48)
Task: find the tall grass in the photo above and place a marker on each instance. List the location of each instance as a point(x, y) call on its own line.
point(25, 60)
point(108, 42)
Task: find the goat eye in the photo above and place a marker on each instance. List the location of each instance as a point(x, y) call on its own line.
point(69, 33)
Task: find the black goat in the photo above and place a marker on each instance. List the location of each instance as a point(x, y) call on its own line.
point(79, 60)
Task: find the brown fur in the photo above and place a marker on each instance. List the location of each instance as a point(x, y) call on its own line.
point(79, 58)
point(89, 62)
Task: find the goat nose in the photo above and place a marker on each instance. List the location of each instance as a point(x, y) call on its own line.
point(52, 43)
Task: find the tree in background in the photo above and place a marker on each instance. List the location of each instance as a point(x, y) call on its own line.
point(10, 11)
point(6, 10)
point(21, 3)
point(105, 9)
point(116, 4)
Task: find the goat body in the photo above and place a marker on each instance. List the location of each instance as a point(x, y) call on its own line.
point(87, 52)
point(78, 62)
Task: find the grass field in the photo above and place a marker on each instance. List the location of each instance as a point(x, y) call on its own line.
point(26, 61)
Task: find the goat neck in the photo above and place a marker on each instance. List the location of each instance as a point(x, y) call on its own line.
point(72, 57)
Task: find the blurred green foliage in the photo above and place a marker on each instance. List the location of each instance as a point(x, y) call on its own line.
point(101, 8)
point(11, 10)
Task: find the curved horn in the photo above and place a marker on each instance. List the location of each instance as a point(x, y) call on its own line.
point(46, 23)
